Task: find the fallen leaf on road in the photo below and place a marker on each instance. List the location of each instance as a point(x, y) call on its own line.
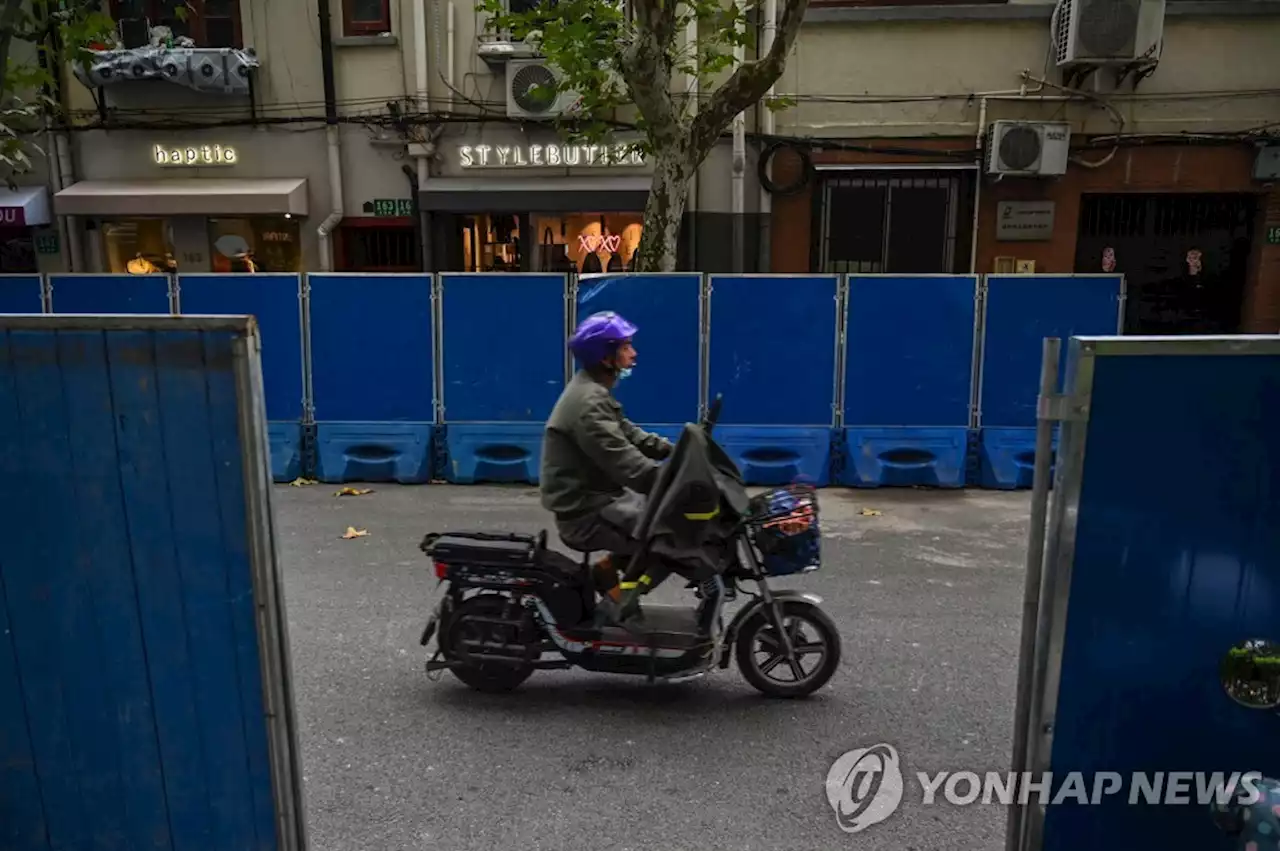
point(353, 492)
point(353, 532)
point(870, 512)
point(299, 482)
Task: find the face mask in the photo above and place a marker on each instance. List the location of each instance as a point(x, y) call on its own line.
point(624, 373)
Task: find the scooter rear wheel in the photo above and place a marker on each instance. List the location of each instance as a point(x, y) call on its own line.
point(812, 634)
point(486, 676)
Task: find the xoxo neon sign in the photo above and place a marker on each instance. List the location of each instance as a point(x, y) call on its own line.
point(591, 242)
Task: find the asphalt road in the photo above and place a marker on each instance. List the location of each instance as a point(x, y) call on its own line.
point(927, 596)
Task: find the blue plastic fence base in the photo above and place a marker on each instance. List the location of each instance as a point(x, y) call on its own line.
point(374, 452)
point(905, 457)
point(493, 452)
point(285, 440)
point(778, 455)
point(1007, 457)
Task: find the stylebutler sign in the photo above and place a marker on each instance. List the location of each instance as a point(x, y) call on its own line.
point(553, 155)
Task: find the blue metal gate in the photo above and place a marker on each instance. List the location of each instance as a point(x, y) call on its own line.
point(144, 674)
point(1163, 553)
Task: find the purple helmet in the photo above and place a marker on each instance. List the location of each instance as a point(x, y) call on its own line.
point(598, 337)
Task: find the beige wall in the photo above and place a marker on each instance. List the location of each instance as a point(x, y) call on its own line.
point(833, 59)
point(916, 60)
point(369, 72)
point(923, 59)
point(287, 40)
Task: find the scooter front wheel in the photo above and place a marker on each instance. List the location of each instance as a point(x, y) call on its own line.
point(815, 645)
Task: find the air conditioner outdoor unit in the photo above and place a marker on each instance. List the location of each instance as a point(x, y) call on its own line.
point(531, 93)
point(176, 65)
point(1028, 148)
point(1107, 32)
point(208, 69)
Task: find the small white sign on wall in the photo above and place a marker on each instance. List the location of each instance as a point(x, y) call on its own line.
point(1024, 221)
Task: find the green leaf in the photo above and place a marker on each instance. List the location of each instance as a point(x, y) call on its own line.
point(79, 25)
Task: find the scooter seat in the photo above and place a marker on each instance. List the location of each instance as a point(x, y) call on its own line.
point(561, 565)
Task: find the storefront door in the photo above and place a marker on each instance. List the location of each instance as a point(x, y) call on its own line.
point(1185, 257)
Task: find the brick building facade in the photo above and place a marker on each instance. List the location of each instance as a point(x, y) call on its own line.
point(1194, 172)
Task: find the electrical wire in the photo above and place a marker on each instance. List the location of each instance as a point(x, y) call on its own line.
point(870, 99)
point(376, 113)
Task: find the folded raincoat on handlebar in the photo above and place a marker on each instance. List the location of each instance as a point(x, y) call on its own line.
point(692, 511)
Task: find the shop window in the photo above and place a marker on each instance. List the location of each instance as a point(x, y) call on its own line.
point(257, 244)
point(907, 223)
point(17, 252)
point(138, 247)
point(366, 17)
point(491, 243)
point(378, 248)
point(209, 23)
point(586, 243)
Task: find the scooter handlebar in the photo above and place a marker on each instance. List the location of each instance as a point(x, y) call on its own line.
point(713, 413)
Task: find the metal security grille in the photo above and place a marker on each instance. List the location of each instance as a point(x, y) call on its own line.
point(892, 222)
point(1152, 238)
point(382, 249)
point(1119, 216)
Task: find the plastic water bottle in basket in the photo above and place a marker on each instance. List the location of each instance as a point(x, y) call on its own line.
point(785, 529)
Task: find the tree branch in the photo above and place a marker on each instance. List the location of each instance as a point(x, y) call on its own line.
point(665, 26)
point(748, 83)
point(648, 78)
point(7, 18)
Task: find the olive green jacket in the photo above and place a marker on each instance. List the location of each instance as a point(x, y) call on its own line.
point(591, 453)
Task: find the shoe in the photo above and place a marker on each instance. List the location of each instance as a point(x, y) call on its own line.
point(609, 613)
point(630, 610)
point(606, 614)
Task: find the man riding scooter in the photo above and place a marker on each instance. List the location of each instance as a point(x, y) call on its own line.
point(596, 464)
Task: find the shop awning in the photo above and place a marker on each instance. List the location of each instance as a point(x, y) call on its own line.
point(24, 206)
point(535, 194)
point(187, 197)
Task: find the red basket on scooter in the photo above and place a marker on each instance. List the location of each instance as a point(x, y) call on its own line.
point(784, 527)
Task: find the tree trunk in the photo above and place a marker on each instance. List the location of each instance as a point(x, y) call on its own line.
point(664, 212)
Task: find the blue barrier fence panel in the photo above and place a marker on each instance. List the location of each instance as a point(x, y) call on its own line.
point(504, 346)
point(272, 299)
point(21, 294)
point(908, 353)
point(908, 379)
point(372, 376)
point(107, 294)
point(502, 339)
point(275, 301)
point(773, 348)
point(133, 708)
point(1173, 559)
point(666, 386)
point(372, 347)
point(772, 353)
point(1020, 311)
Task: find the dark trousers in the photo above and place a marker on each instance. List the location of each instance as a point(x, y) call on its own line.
point(609, 530)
